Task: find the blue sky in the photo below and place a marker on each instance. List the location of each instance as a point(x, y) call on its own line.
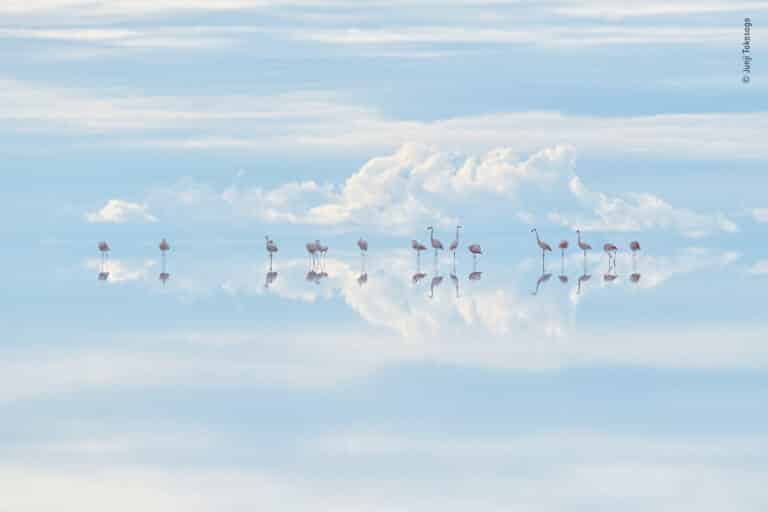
point(213, 123)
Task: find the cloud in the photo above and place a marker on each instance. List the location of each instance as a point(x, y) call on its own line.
point(122, 271)
point(324, 121)
point(394, 193)
point(760, 215)
point(118, 211)
point(637, 212)
point(419, 185)
point(760, 267)
point(547, 35)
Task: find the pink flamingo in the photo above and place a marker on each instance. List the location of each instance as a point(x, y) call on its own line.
point(312, 250)
point(363, 245)
point(634, 247)
point(104, 250)
point(271, 249)
point(543, 246)
point(437, 245)
point(455, 244)
point(418, 247)
point(563, 245)
point(322, 249)
point(164, 248)
point(610, 250)
point(418, 276)
point(584, 247)
point(476, 250)
point(475, 276)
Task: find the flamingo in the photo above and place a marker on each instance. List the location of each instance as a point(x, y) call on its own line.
point(475, 276)
point(543, 246)
point(362, 278)
point(164, 248)
point(271, 249)
point(475, 249)
point(583, 246)
point(312, 250)
point(563, 245)
point(418, 247)
point(437, 245)
point(322, 249)
point(363, 245)
point(455, 244)
point(418, 276)
point(104, 250)
point(610, 250)
point(634, 247)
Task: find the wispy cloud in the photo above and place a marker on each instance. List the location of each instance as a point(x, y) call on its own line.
point(638, 212)
point(760, 215)
point(324, 121)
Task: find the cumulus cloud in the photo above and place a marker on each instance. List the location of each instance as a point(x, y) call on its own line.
point(392, 193)
point(118, 211)
point(420, 184)
point(637, 212)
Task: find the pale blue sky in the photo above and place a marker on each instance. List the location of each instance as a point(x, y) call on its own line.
point(213, 123)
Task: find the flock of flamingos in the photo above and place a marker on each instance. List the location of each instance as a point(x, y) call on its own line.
point(317, 252)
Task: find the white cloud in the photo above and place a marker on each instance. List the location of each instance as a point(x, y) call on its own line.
point(637, 212)
point(760, 267)
point(118, 211)
point(420, 185)
point(760, 215)
point(121, 271)
point(538, 472)
point(323, 121)
point(546, 35)
point(395, 193)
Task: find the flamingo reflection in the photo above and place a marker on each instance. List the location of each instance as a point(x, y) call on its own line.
point(582, 279)
point(542, 279)
point(434, 284)
point(454, 277)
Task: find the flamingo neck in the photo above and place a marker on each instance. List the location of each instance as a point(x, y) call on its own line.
point(537, 235)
